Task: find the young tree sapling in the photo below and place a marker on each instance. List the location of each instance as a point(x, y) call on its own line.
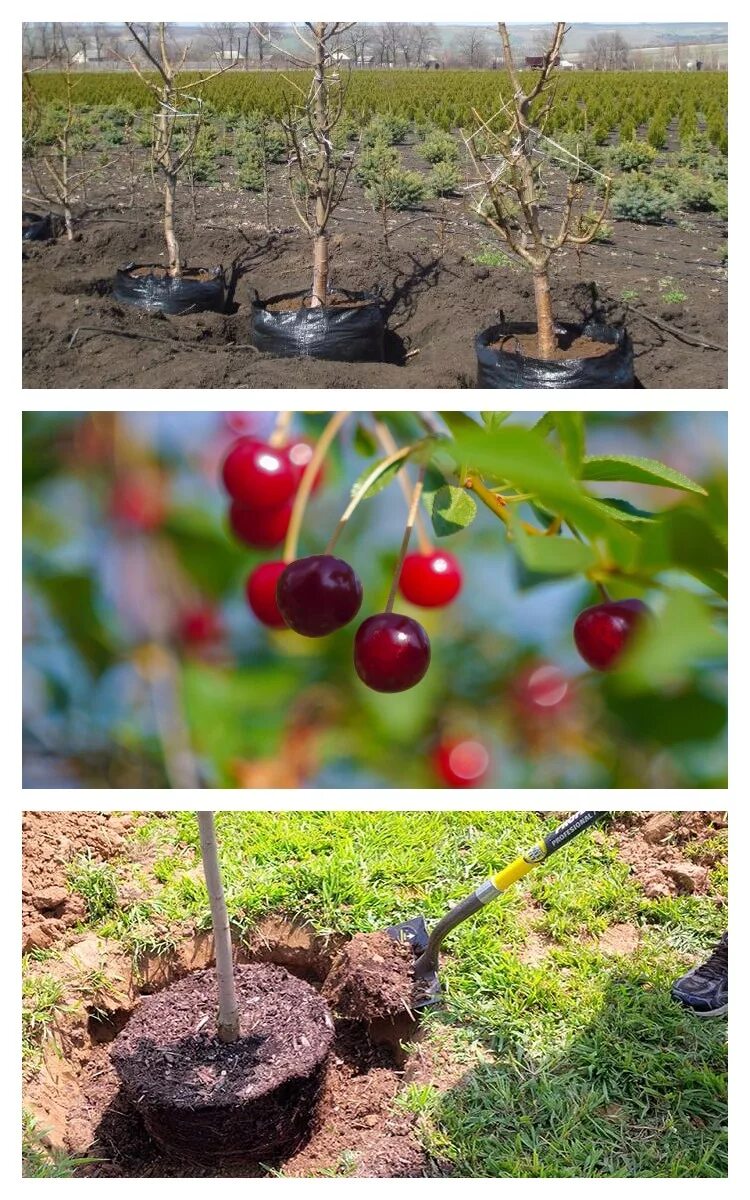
point(510, 165)
point(169, 157)
point(318, 173)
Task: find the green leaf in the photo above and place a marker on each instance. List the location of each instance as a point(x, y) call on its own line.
point(627, 468)
point(530, 464)
point(688, 717)
point(364, 442)
point(572, 434)
point(459, 421)
point(551, 555)
point(452, 509)
point(623, 510)
point(493, 420)
point(386, 474)
point(420, 452)
point(71, 599)
point(669, 647)
point(684, 538)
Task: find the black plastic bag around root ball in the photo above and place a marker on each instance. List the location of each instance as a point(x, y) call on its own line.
point(36, 228)
point(511, 369)
point(153, 291)
point(334, 332)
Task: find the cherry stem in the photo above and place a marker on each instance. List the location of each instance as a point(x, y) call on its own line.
point(413, 507)
point(322, 447)
point(604, 592)
point(280, 429)
point(362, 491)
point(387, 441)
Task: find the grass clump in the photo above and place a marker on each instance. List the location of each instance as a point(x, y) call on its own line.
point(96, 883)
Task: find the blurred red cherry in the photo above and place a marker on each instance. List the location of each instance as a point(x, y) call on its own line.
point(138, 500)
point(542, 688)
point(201, 626)
point(462, 762)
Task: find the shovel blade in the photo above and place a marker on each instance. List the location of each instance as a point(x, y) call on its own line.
point(415, 933)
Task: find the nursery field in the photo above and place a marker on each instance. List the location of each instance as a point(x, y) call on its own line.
point(555, 1050)
point(658, 263)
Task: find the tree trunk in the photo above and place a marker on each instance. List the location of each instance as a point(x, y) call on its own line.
point(320, 271)
point(320, 116)
point(546, 336)
point(174, 264)
point(228, 1019)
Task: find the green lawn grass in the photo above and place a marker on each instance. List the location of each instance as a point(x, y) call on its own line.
point(578, 1064)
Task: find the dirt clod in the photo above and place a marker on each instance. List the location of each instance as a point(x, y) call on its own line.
point(372, 977)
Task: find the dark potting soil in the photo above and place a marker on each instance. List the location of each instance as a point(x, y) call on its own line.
point(354, 1114)
point(169, 1054)
point(194, 274)
point(371, 977)
point(437, 297)
point(567, 348)
point(335, 300)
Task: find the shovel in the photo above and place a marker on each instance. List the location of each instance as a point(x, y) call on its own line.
point(427, 945)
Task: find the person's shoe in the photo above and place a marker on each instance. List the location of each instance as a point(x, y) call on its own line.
point(705, 989)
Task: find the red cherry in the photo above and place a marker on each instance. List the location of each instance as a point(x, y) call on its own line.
point(257, 475)
point(299, 454)
point(261, 593)
point(542, 688)
point(319, 594)
point(260, 528)
point(138, 500)
point(391, 652)
point(200, 626)
point(462, 762)
point(430, 580)
point(602, 632)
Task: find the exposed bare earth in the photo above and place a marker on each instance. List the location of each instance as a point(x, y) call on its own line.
point(437, 296)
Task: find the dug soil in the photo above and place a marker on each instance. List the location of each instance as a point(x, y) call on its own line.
point(193, 274)
point(437, 294)
point(371, 977)
point(672, 853)
point(76, 1095)
point(257, 1095)
point(526, 344)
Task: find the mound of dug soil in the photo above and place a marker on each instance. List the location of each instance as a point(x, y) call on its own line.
point(254, 1098)
point(372, 977)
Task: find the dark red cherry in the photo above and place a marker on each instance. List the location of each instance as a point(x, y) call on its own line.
point(430, 580)
point(391, 652)
point(261, 528)
point(258, 475)
point(462, 762)
point(602, 632)
point(318, 594)
point(261, 593)
point(200, 626)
